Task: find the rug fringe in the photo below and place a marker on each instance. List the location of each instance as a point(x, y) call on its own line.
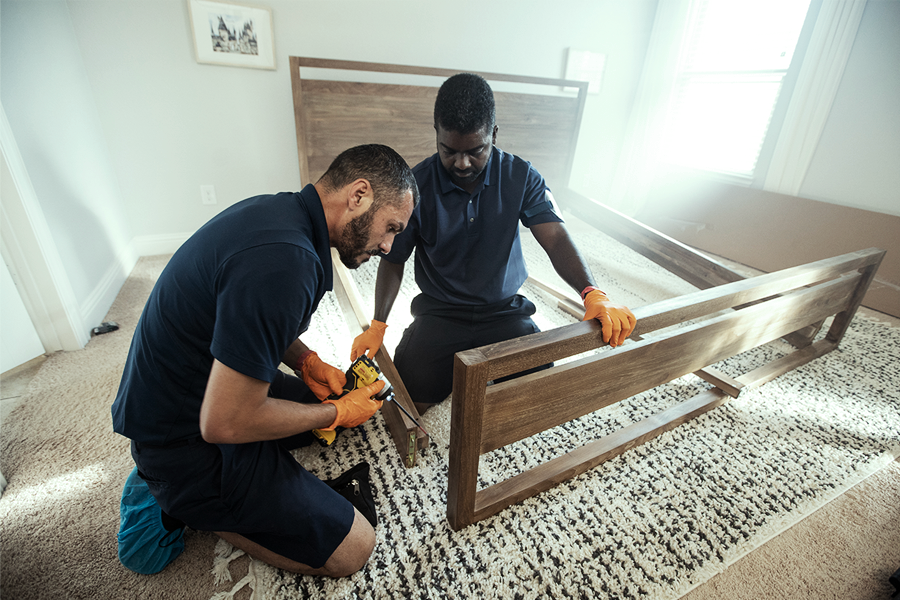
point(252, 578)
point(225, 553)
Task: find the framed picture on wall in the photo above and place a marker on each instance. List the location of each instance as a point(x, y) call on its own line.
point(232, 34)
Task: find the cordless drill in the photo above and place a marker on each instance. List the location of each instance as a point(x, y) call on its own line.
point(360, 374)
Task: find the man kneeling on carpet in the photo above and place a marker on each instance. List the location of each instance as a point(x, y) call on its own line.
point(469, 264)
point(211, 417)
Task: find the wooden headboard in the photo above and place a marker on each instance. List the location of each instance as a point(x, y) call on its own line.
point(537, 120)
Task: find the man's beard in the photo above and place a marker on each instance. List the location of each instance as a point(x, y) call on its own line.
point(353, 239)
point(461, 179)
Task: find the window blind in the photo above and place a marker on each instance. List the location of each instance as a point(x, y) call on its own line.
point(734, 59)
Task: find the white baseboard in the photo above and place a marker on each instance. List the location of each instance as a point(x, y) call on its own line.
point(95, 307)
point(152, 245)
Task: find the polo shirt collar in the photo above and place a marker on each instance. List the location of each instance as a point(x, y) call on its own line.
point(308, 198)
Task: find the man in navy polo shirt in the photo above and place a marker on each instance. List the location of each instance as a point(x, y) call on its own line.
point(469, 264)
point(211, 417)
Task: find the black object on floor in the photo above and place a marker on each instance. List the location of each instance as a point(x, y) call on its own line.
point(895, 581)
point(105, 327)
point(354, 486)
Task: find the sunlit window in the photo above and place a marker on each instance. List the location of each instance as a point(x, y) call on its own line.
point(732, 69)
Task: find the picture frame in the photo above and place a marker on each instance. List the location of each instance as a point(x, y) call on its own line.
point(232, 34)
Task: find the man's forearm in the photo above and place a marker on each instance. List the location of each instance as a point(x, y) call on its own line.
point(387, 286)
point(274, 419)
point(567, 261)
point(237, 409)
point(572, 268)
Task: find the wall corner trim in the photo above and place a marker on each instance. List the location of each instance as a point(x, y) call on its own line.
point(30, 251)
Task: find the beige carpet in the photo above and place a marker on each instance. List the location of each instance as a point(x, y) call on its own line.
point(844, 551)
point(65, 468)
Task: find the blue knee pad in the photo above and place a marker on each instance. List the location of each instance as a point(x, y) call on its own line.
point(146, 543)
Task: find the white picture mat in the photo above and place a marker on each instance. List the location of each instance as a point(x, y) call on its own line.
point(204, 15)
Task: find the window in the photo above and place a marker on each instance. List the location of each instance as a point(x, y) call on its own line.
point(733, 64)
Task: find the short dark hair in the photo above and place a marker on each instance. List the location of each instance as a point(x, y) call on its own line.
point(386, 171)
point(465, 104)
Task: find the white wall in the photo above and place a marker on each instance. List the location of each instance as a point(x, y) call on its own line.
point(173, 125)
point(857, 160)
point(15, 325)
point(52, 112)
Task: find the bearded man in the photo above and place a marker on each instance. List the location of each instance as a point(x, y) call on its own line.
point(210, 416)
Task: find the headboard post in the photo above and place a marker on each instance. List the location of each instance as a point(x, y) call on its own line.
point(299, 125)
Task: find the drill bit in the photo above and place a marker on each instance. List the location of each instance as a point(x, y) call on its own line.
point(391, 398)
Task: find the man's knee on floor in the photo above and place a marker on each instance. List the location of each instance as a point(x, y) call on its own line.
point(353, 553)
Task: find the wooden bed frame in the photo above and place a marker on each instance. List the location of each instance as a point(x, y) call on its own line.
point(486, 418)
point(729, 315)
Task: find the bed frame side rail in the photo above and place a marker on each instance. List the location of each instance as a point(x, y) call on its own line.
point(677, 258)
point(486, 418)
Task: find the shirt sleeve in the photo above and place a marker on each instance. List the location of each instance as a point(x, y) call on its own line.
point(539, 206)
point(263, 294)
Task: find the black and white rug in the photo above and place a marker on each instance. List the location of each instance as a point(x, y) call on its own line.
point(652, 523)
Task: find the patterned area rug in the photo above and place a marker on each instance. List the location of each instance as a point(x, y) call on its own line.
point(652, 523)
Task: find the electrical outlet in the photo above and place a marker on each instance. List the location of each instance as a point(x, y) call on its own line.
point(208, 194)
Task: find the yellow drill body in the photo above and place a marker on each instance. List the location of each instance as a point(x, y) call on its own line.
point(360, 374)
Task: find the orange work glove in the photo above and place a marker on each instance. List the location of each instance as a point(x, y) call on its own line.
point(370, 339)
point(319, 376)
point(357, 406)
point(616, 320)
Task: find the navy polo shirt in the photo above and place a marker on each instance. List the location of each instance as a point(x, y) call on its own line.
point(467, 246)
point(240, 290)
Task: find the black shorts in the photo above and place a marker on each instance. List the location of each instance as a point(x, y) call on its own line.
point(424, 356)
point(258, 490)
